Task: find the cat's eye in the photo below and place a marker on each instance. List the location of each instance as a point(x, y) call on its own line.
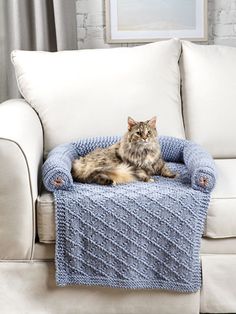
point(149, 132)
point(138, 133)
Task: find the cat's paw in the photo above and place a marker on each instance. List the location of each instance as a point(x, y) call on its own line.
point(151, 180)
point(171, 175)
point(103, 180)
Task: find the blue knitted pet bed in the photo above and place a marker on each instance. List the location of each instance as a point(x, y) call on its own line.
point(137, 235)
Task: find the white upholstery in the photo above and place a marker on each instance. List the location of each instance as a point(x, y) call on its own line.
point(46, 217)
point(32, 289)
point(213, 246)
point(218, 290)
point(21, 150)
point(38, 294)
point(209, 97)
point(91, 92)
point(221, 217)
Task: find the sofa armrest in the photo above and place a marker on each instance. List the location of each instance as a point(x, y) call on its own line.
point(21, 152)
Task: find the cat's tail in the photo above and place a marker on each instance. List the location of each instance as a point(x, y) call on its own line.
point(107, 175)
point(112, 175)
point(121, 174)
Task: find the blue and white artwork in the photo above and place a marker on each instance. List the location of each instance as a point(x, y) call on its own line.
point(156, 14)
point(147, 20)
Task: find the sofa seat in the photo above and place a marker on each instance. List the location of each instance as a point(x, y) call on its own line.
point(221, 219)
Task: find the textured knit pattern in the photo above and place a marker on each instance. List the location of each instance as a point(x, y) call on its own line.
point(58, 165)
point(137, 235)
point(197, 160)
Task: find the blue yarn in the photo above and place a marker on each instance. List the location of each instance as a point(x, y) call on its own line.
point(57, 166)
point(198, 161)
point(200, 164)
point(138, 235)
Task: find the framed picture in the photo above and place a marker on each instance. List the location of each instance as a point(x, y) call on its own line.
point(130, 21)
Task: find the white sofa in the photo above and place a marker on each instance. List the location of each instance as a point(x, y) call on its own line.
point(74, 94)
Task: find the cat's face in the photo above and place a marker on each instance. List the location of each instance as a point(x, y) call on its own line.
point(142, 132)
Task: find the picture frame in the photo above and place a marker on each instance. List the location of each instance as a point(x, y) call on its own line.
point(135, 21)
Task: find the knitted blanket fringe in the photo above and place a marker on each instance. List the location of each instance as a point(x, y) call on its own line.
point(138, 235)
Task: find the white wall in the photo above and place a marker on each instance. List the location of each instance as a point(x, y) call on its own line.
point(91, 23)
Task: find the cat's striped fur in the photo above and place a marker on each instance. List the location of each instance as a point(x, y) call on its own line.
point(136, 157)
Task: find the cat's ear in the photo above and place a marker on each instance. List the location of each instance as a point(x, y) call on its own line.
point(152, 122)
point(131, 123)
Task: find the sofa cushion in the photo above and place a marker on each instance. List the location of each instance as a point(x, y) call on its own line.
point(221, 218)
point(91, 92)
point(46, 217)
point(209, 97)
point(218, 283)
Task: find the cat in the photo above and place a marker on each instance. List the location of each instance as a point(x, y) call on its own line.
point(136, 157)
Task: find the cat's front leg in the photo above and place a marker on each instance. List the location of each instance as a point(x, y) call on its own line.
point(166, 172)
point(160, 168)
point(143, 176)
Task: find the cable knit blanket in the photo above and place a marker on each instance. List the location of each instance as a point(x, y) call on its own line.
point(138, 235)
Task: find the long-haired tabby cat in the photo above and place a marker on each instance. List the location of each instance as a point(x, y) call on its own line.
point(135, 158)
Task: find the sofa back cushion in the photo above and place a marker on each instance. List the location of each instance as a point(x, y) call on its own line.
point(91, 92)
point(209, 97)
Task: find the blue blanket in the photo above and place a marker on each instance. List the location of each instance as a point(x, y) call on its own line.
point(138, 235)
